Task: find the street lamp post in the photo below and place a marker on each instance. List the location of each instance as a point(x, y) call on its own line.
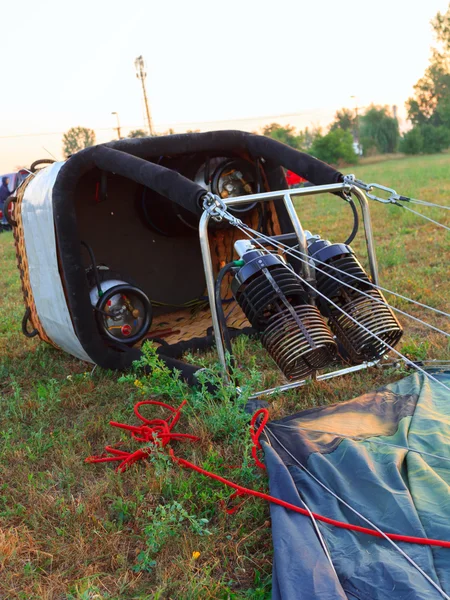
point(356, 122)
point(141, 74)
point(118, 125)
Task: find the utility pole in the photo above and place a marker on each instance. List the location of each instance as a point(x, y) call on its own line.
point(141, 74)
point(118, 125)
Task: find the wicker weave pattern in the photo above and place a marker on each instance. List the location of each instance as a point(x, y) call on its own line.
point(186, 324)
point(22, 263)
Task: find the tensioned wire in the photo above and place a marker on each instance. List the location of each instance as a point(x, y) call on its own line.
point(294, 252)
point(426, 203)
point(361, 516)
point(423, 216)
point(319, 535)
point(286, 249)
point(402, 356)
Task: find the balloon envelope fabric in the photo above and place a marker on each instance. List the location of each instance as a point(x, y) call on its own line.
point(358, 450)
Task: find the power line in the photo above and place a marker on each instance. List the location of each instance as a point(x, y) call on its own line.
point(259, 118)
point(185, 123)
point(18, 135)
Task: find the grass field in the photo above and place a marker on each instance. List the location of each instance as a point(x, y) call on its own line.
point(72, 530)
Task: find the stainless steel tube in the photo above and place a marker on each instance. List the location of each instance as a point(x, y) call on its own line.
point(323, 377)
point(373, 264)
point(302, 244)
point(210, 286)
point(308, 191)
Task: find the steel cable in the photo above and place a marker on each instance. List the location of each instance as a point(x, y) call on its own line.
point(289, 249)
point(286, 249)
point(402, 356)
point(423, 216)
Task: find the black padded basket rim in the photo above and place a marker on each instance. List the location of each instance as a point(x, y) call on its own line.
point(275, 154)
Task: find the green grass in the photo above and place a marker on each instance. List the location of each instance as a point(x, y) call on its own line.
point(78, 531)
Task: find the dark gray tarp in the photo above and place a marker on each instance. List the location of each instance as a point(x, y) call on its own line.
point(400, 491)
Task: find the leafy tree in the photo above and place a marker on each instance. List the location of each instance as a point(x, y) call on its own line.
point(302, 140)
point(412, 141)
point(443, 110)
point(137, 133)
point(344, 119)
point(309, 137)
point(435, 139)
point(170, 131)
point(76, 139)
point(336, 147)
point(379, 130)
point(431, 100)
point(286, 134)
point(425, 138)
point(429, 108)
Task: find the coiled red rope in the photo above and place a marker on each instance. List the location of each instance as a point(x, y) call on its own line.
point(158, 432)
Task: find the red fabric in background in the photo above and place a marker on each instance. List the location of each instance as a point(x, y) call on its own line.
point(292, 178)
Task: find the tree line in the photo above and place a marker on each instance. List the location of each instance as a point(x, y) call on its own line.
point(78, 138)
point(377, 130)
point(374, 132)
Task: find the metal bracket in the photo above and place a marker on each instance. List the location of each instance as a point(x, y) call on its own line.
point(217, 209)
point(393, 198)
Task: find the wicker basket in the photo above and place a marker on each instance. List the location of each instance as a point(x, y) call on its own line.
point(31, 315)
point(182, 325)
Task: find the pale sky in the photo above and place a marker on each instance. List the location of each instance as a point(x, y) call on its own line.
point(211, 64)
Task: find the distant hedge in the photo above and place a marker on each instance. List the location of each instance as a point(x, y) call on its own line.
point(425, 139)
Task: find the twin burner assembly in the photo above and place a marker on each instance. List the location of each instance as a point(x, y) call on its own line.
point(300, 336)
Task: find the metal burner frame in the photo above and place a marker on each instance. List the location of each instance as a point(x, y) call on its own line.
point(286, 196)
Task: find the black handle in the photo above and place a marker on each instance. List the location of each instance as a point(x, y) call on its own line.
point(25, 320)
point(9, 200)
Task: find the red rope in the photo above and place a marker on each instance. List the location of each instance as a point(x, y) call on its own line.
point(255, 435)
point(158, 432)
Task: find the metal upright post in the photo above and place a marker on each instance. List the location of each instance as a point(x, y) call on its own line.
point(370, 243)
point(210, 286)
point(299, 232)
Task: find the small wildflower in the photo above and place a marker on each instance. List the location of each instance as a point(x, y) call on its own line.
point(69, 377)
point(195, 554)
point(138, 383)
